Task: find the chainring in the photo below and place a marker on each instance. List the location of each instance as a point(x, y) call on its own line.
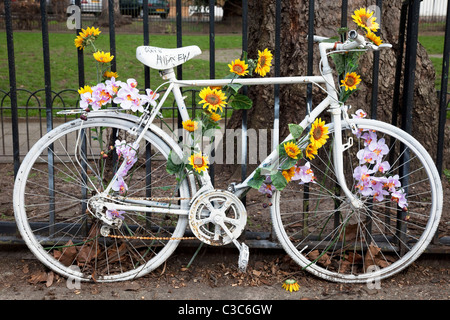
point(213, 212)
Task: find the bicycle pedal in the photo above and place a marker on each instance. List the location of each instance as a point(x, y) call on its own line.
point(244, 254)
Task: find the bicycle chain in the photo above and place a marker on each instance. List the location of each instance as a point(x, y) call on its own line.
point(151, 238)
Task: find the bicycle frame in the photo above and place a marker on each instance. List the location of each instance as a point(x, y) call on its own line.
point(330, 102)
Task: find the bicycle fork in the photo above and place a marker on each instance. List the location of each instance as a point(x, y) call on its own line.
point(338, 149)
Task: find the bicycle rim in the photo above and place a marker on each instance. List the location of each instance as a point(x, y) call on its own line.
point(52, 203)
point(318, 227)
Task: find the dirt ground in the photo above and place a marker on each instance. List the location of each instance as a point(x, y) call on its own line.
point(213, 275)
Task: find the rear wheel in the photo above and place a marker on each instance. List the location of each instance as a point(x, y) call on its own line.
point(323, 232)
point(56, 192)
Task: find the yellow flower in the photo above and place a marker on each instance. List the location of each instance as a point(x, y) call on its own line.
point(190, 125)
point(264, 62)
point(86, 37)
point(84, 90)
point(374, 38)
point(292, 150)
point(351, 81)
point(318, 133)
point(215, 117)
point(103, 57)
point(198, 162)
point(291, 285)
point(288, 174)
point(239, 67)
point(212, 99)
point(365, 19)
point(110, 74)
point(310, 151)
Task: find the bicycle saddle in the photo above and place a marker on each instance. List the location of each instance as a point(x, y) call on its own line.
point(161, 58)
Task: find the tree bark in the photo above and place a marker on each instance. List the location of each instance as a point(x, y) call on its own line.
point(293, 61)
point(119, 19)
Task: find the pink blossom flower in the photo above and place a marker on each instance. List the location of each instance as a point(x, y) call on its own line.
point(359, 114)
point(150, 97)
point(392, 183)
point(128, 97)
point(399, 197)
point(382, 167)
point(86, 100)
point(120, 185)
point(378, 192)
point(304, 174)
point(111, 214)
point(368, 137)
point(362, 174)
point(379, 147)
point(366, 156)
point(266, 188)
point(113, 86)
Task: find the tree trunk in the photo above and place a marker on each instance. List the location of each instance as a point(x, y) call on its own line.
point(293, 61)
point(119, 19)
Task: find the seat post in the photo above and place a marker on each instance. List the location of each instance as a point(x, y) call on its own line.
point(168, 74)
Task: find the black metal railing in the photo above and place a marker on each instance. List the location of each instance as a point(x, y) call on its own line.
point(405, 71)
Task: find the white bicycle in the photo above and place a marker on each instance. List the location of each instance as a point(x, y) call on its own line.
point(338, 226)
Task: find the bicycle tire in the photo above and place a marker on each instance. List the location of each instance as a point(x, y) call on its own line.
point(71, 243)
point(321, 231)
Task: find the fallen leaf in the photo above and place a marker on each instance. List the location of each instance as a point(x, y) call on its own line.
point(50, 277)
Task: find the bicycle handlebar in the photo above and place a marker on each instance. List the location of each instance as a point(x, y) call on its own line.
point(356, 41)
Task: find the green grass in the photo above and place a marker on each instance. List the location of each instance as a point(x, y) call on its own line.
point(64, 66)
point(434, 44)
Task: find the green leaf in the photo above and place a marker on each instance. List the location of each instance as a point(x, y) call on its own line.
point(278, 181)
point(174, 164)
point(257, 180)
point(295, 130)
point(234, 86)
point(241, 101)
point(289, 163)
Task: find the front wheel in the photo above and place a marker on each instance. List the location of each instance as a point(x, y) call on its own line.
point(400, 193)
point(60, 182)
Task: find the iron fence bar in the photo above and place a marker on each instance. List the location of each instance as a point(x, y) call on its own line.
point(276, 120)
point(376, 68)
point(244, 91)
point(12, 85)
point(212, 72)
point(148, 160)
point(48, 112)
point(399, 64)
point(309, 88)
point(443, 94)
point(408, 105)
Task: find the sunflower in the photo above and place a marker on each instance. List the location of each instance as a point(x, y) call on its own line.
point(239, 67)
point(365, 19)
point(212, 99)
point(86, 37)
point(292, 150)
point(84, 89)
point(103, 57)
point(291, 285)
point(310, 151)
point(198, 162)
point(190, 125)
point(264, 62)
point(215, 117)
point(351, 81)
point(110, 74)
point(374, 38)
point(288, 174)
point(318, 133)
